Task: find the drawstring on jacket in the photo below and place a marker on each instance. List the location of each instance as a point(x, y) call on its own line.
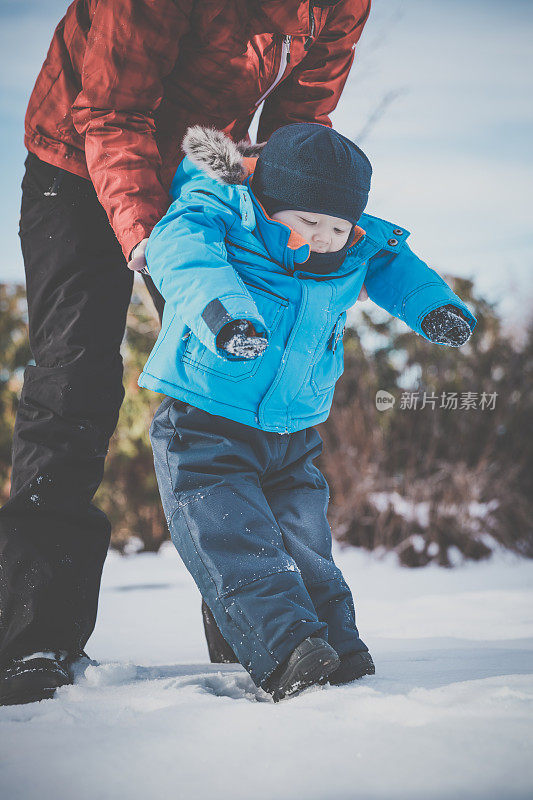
point(319, 4)
point(309, 39)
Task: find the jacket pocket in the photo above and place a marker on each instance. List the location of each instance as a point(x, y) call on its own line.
point(271, 307)
point(330, 363)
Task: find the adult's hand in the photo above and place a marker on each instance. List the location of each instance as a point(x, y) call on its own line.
point(137, 261)
point(363, 294)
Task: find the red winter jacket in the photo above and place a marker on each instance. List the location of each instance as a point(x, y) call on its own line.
point(124, 79)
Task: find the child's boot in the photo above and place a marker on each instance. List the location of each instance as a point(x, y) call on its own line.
point(352, 666)
point(309, 664)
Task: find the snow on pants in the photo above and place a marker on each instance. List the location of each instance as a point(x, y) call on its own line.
point(246, 510)
point(53, 540)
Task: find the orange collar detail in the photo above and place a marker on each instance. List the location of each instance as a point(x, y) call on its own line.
point(358, 233)
point(295, 239)
point(249, 163)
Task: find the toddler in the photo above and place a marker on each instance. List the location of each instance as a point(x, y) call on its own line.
point(260, 255)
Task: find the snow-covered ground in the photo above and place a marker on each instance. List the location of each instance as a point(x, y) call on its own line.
point(448, 714)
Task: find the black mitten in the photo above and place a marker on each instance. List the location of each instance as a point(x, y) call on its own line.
point(447, 325)
point(239, 338)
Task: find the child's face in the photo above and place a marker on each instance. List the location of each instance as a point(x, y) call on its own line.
point(325, 234)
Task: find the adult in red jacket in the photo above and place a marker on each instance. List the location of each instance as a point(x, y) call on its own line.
point(122, 81)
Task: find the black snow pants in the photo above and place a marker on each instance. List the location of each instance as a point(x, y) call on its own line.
point(53, 540)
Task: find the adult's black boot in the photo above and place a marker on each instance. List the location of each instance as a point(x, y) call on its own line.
point(37, 676)
point(220, 651)
point(309, 664)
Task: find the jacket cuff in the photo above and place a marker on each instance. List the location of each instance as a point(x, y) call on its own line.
point(219, 312)
point(418, 303)
point(132, 236)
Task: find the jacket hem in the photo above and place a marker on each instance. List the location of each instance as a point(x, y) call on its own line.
point(57, 153)
point(72, 160)
point(215, 407)
point(220, 409)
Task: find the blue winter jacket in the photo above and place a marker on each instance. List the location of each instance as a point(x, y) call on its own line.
point(216, 256)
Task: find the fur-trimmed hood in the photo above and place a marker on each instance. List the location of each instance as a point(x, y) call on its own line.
point(221, 158)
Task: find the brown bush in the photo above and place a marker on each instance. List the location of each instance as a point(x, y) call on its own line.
point(433, 484)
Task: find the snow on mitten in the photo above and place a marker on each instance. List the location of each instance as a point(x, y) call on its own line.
point(239, 338)
point(447, 325)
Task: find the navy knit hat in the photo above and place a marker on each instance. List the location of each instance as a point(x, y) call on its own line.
point(309, 167)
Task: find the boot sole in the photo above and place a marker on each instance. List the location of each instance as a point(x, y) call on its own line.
point(19, 698)
point(366, 669)
point(310, 672)
point(31, 685)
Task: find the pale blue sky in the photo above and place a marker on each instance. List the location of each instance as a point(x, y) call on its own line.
point(451, 151)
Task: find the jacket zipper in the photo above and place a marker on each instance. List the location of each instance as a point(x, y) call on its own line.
point(283, 366)
point(284, 61)
point(337, 334)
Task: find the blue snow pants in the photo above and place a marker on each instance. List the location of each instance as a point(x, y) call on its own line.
point(246, 510)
